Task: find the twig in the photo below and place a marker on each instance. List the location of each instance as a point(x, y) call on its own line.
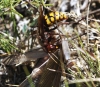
point(87, 25)
point(94, 20)
point(69, 75)
point(84, 80)
point(30, 4)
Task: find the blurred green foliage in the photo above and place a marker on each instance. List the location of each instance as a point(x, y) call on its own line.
point(6, 44)
point(8, 7)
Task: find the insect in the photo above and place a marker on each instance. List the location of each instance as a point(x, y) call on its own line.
point(48, 38)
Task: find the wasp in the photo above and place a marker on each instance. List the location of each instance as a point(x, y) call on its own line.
point(49, 40)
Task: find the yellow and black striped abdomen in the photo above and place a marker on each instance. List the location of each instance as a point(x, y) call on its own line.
point(54, 17)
